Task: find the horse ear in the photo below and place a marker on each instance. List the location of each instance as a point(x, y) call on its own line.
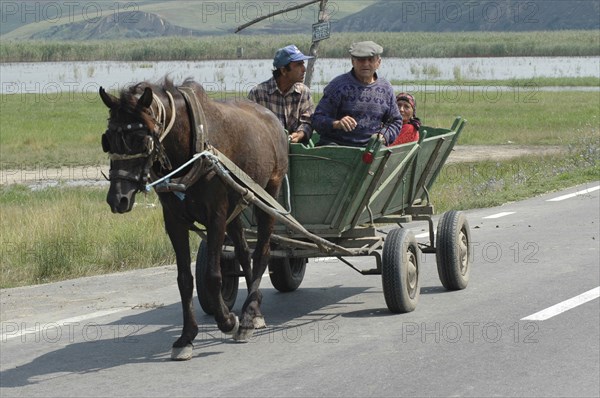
point(146, 99)
point(109, 100)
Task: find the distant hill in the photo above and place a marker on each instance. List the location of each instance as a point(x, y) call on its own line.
point(87, 20)
point(469, 15)
point(130, 24)
point(84, 20)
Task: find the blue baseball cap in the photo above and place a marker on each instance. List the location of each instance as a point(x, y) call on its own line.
point(288, 54)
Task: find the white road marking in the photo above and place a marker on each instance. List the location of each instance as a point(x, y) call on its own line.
point(564, 306)
point(423, 235)
point(571, 195)
point(11, 334)
point(498, 215)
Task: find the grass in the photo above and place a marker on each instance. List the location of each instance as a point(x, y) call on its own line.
point(462, 186)
point(396, 44)
point(533, 83)
point(522, 115)
point(51, 130)
point(64, 129)
point(60, 233)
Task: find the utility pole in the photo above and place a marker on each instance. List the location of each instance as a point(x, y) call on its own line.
point(320, 31)
point(323, 27)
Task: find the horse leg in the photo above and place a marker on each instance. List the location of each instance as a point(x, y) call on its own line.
point(251, 315)
point(179, 236)
point(242, 251)
point(226, 321)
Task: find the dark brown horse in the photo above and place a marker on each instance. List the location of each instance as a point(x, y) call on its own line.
point(140, 144)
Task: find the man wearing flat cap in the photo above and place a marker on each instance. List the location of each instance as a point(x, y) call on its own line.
point(286, 95)
point(359, 103)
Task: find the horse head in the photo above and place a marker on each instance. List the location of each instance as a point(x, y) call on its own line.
point(132, 145)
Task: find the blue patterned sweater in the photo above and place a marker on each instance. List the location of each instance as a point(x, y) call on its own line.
point(373, 106)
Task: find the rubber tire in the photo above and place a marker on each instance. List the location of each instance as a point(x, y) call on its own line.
point(229, 287)
point(401, 260)
point(286, 274)
point(453, 252)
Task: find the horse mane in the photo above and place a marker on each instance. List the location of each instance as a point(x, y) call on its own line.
point(130, 95)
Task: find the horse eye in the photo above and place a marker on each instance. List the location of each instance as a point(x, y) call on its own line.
point(105, 143)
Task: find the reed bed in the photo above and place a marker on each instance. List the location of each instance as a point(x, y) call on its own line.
point(396, 44)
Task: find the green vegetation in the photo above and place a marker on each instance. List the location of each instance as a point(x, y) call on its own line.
point(64, 232)
point(57, 129)
point(462, 186)
point(61, 233)
point(531, 84)
point(516, 114)
point(396, 44)
point(51, 129)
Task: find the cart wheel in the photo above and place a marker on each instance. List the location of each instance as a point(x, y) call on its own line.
point(286, 274)
point(453, 252)
point(229, 289)
point(400, 270)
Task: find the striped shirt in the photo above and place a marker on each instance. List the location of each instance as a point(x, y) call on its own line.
point(294, 109)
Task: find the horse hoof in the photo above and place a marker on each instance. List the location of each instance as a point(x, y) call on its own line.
point(243, 335)
point(235, 327)
point(182, 353)
point(259, 322)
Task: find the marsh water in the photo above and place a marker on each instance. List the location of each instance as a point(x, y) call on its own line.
point(241, 75)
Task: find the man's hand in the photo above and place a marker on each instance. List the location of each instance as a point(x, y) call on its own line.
point(297, 136)
point(347, 123)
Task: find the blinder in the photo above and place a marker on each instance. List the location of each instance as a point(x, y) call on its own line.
point(105, 143)
point(126, 143)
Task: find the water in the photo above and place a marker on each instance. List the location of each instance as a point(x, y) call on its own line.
point(241, 75)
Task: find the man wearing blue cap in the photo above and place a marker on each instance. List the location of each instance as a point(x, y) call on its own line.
point(358, 104)
point(286, 95)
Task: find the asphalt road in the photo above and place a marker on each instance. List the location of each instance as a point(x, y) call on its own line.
point(527, 325)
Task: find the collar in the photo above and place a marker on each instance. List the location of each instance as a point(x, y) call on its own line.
point(272, 87)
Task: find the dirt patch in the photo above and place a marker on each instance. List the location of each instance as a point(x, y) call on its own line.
point(476, 153)
point(92, 175)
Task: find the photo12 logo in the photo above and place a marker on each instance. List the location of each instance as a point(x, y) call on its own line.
point(461, 12)
point(469, 332)
point(60, 12)
point(246, 11)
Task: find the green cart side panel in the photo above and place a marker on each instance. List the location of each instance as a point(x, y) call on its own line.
point(392, 193)
point(329, 183)
point(403, 184)
point(435, 146)
point(332, 190)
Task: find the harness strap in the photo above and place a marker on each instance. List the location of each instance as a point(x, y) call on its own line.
point(198, 118)
point(119, 156)
point(161, 109)
point(200, 167)
point(123, 175)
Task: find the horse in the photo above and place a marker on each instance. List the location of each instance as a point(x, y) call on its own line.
point(142, 148)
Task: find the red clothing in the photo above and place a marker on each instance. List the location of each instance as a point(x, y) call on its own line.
point(409, 133)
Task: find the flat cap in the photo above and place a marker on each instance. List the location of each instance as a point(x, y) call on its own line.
point(365, 49)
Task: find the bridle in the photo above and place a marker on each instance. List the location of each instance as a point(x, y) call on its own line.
point(152, 149)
